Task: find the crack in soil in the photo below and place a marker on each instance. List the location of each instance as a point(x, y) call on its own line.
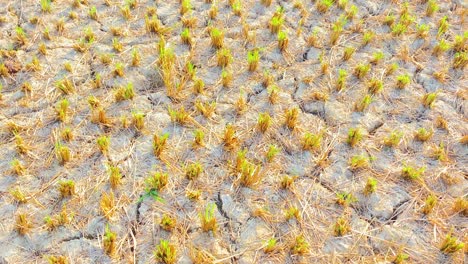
point(80, 236)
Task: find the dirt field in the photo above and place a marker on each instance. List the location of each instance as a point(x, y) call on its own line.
point(233, 131)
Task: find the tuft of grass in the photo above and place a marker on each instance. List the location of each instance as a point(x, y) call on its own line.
point(460, 42)
point(23, 224)
point(441, 123)
point(312, 39)
point(46, 34)
point(157, 181)
point(106, 58)
point(273, 94)
point(213, 12)
point(354, 136)
point(193, 194)
point(119, 69)
point(124, 93)
point(410, 173)
point(363, 103)
point(159, 143)
point(371, 186)
point(391, 68)
point(273, 150)
point(367, 37)
point(241, 103)
point(185, 6)
point(263, 122)
point(345, 198)
point(270, 245)
point(17, 167)
point(342, 4)
point(429, 99)
point(249, 174)
point(226, 78)
point(443, 26)
point(138, 120)
point(429, 204)
point(62, 152)
point(341, 82)
point(224, 57)
point(240, 159)
point(352, 12)
point(115, 176)
point(292, 212)
point(311, 141)
point(18, 195)
point(377, 57)
point(35, 64)
point(166, 252)
point(167, 222)
point(46, 6)
point(193, 170)
point(361, 70)
point(393, 139)
point(287, 181)
point(276, 21)
point(117, 45)
point(4, 70)
point(21, 38)
point(359, 161)
point(341, 227)
point(189, 21)
point(62, 110)
point(180, 115)
point(422, 30)
point(292, 116)
point(300, 246)
point(451, 244)
point(253, 58)
point(136, 57)
point(66, 188)
point(65, 86)
point(237, 7)
point(283, 40)
point(207, 109)
point(423, 134)
point(126, 12)
point(461, 206)
point(268, 79)
point(107, 204)
point(432, 7)
point(403, 81)
point(186, 37)
point(208, 219)
point(441, 47)
point(57, 259)
point(20, 145)
point(375, 86)
point(400, 258)
point(198, 138)
point(337, 29)
point(109, 241)
point(154, 25)
point(60, 25)
point(103, 143)
point(93, 13)
point(460, 60)
point(439, 152)
point(348, 53)
point(323, 5)
point(217, 38)
point(230, 139)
